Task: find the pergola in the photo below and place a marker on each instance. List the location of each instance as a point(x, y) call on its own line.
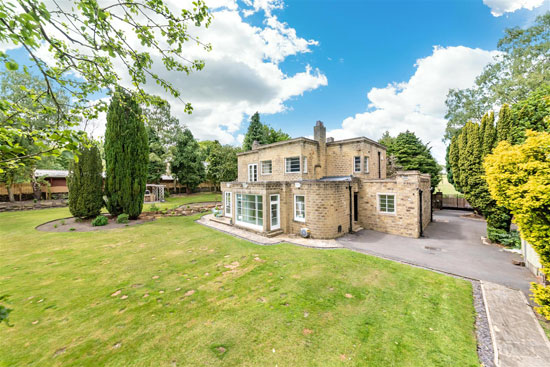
point(154, 193)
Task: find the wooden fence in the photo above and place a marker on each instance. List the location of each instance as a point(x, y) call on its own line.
point(442, 201)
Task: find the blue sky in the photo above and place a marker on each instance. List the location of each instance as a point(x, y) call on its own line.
point(361, 67)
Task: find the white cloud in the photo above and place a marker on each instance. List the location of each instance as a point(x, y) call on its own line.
point(499, 7)
point(418, 105)
point(241, 75)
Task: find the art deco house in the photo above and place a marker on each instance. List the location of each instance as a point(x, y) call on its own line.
point(325, 188)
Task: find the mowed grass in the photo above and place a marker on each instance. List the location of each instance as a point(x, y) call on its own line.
point(175, 293)
point(175, 201)
point(445, 187)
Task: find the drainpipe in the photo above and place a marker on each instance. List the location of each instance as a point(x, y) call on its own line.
point(350, 209)
point(420, 201)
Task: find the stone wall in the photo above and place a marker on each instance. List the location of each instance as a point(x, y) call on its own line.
point(406, 219)
point(277, 153)
point(340, 155)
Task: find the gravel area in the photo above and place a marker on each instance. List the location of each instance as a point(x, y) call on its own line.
point(485, 349)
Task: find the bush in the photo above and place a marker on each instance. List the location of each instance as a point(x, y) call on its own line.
point(122, 218)
point(508, 239)
point(154, 208)
point(85, 183)
point(100, 220)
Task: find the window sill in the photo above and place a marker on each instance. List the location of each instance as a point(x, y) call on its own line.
point(299, 220)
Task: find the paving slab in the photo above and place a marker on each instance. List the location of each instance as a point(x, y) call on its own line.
point(217, 223)
point(518, 338)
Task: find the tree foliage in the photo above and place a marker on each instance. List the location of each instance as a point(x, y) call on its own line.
point(262, 133)
point(85, 183)
point(126, 156)
point(221, 163)
point(188, 163)
point(157, 158)
point(517, 176)
point(466, 153)
point(521, 67)
point(411, 154)
point(102, 44)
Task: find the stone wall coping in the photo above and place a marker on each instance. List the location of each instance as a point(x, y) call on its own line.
point(279, 143)
point(356, 140)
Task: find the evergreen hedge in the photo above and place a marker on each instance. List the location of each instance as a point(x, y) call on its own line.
point(85, 183)
point(126, 156)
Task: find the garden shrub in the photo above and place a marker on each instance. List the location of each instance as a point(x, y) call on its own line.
point(122, 218)
point(154, 208)
point(85, 182)
point(100, 220)
point(508, 239)
point(517, 176)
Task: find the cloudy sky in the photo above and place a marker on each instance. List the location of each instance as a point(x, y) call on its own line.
point(361, 67)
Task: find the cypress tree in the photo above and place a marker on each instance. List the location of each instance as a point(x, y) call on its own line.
point(504, 124)
point(126, 156)
point(256, 131)
point(454, 153)
point(462, 158)
point(85, 183)
point(489, 133)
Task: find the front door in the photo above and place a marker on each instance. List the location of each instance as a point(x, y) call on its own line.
point(275, 212)
point(356, 206)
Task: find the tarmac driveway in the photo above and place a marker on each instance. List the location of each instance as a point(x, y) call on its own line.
point(451, 244)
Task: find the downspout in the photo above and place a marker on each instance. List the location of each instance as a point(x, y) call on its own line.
point(420, 203)
point(350, 209)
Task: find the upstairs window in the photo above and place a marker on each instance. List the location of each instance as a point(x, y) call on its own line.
point(386, 203)
point(357, 164)
point(252, 172)
point(292, 165)
point(366, 163)
point(305, 164)
point(267, 167)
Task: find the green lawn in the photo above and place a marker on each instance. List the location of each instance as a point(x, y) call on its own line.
point(191, 296)
point(175, 201)
point(445, 187)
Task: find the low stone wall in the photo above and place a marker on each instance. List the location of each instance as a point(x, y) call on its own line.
point(31, 205)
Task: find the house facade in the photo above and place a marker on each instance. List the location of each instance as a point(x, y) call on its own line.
point(326, 188)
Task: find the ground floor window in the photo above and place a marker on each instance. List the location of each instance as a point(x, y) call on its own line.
point(227, 205)
point(250, 209)
point(386, 203)
point(300, 208)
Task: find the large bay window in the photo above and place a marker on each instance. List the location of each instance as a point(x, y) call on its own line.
point(250, 210)
point(292, 165)
point(300, 208)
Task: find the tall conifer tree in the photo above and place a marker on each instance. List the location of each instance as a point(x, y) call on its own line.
point(126, 156)
point(85, 183)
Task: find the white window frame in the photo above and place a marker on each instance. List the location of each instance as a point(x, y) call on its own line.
point(355, 170)
point(227, 200)
point(257, 227)
point(299, 219)
point(379, 202)
point(287, 166)
point(305, 164)
point(270, 166)
point(255, 173)
point(274, 199)
point(366, 164)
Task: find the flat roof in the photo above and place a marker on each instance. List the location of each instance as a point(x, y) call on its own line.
point(291, 141)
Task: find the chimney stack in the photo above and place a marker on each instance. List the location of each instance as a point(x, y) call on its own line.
point(320, 132)
point(320, 135)
point(255, 145)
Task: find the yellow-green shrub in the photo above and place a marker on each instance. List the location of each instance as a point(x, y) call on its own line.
point(519, 179)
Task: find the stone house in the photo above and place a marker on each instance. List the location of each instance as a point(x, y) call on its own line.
point(325, 188)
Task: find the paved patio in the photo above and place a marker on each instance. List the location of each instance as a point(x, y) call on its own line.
point(451, 244)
